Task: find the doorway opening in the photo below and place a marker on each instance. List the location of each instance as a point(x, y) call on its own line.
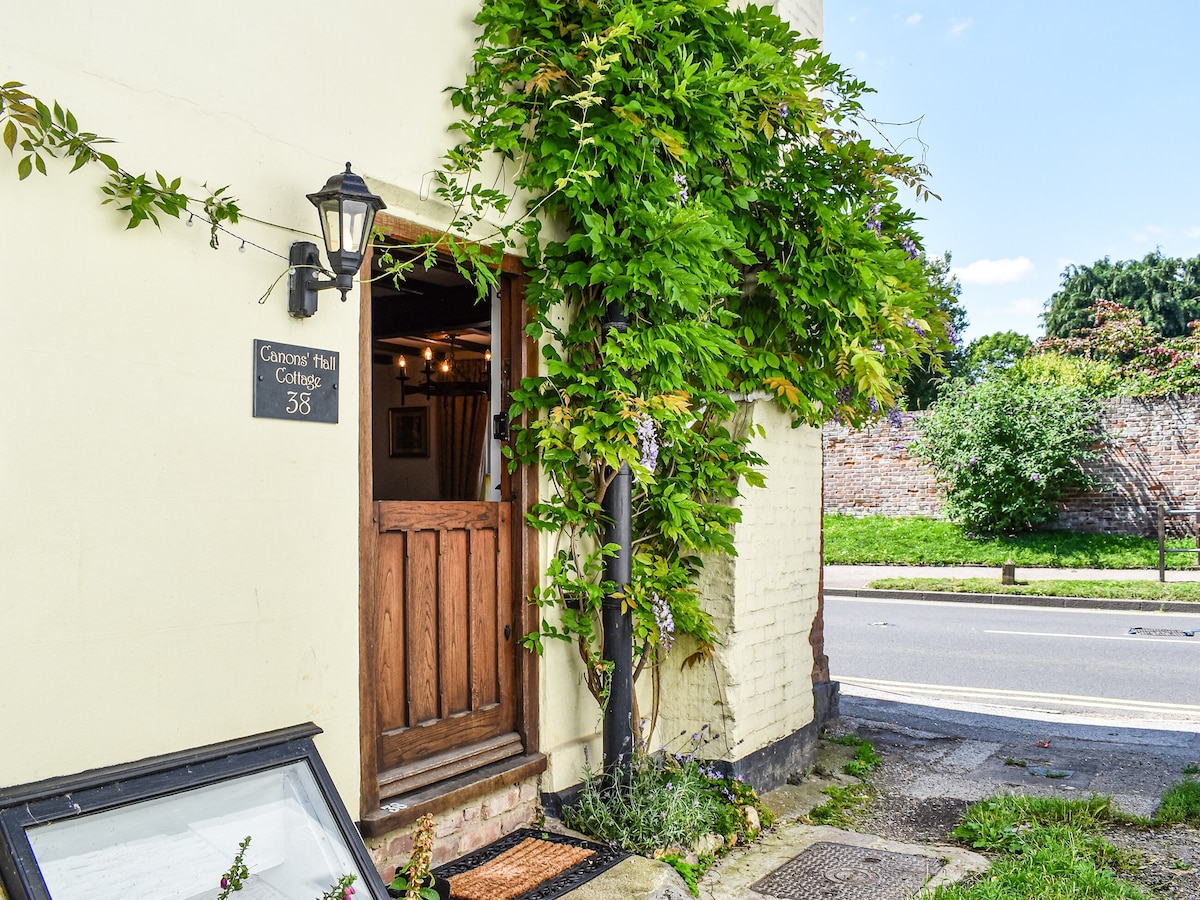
point(435, 377)
point(448, 694)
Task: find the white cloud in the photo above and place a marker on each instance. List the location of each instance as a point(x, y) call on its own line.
point(1024, 306)
point(913, 19)
point(1194, 231)
point(958, 26)
point(995, 271)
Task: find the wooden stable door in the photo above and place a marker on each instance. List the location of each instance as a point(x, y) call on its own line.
point(445, 698)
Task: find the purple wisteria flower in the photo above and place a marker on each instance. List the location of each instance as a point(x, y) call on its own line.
point(909, 245)
point(663, 620)
point(873, 404)
point(843, 394)
point(873, 223)
point(682, 186)
point(895, 417)
point(951, 333)
point(783, 110)
point(1033, 477)
point(647, 435)
point(912, 323)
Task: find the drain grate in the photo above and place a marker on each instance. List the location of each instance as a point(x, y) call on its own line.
point(1162, 632)
point(827, 870)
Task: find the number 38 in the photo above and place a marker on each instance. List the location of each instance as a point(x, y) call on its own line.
point(299, 402)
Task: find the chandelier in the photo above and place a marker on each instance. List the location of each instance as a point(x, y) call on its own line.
point(445, 376)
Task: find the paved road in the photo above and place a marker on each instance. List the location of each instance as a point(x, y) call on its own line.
point(1035, 660)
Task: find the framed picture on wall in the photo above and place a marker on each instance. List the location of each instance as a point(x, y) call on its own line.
point(408, 431)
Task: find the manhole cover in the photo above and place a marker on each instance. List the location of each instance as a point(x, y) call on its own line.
point(827, 870)
point(1162, 632)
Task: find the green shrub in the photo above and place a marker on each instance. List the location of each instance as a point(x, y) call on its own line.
point(1005, 452)
point(1098, 378)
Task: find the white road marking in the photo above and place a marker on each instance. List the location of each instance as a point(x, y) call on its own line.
point(1127, 613)
point(1101, 637)
point(1000, 694)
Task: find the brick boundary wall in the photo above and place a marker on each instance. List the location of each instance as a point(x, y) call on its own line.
point(1153, 453)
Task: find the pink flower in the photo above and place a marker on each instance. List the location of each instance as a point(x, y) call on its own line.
point(224, 883)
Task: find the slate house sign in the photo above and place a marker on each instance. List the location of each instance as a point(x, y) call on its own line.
point(293, 382)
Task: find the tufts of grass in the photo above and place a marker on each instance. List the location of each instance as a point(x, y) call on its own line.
point(1180, 804)
point(841, 806)
point(928, 542)
point(845, 801)
point(1109, 590)
point(1050, 850)
point(865, 757)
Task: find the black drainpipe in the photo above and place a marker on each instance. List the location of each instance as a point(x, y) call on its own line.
point(617, 625)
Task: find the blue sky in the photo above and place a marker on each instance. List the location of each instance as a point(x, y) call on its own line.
point(1057, 132)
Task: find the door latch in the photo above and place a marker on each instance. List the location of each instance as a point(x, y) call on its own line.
point(507, 632)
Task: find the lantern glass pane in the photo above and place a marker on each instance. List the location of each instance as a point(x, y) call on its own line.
point(354, 225)
point(331, 225)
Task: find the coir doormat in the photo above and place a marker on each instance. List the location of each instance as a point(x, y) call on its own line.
point(527, 865)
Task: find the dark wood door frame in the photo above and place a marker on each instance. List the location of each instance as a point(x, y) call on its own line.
point(518, 358)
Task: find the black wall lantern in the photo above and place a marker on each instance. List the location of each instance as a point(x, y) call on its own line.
point(347, 211)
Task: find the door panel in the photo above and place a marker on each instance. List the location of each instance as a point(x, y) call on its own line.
point(446, 658)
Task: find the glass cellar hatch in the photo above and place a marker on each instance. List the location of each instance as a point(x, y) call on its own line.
point(170, 827)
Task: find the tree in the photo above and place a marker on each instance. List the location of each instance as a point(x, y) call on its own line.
point(1005, 452)
point(994, 353)
point(921, 388)
point(1140, 361)
point(1164, 291)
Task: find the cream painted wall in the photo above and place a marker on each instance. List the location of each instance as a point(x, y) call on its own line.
point(173, 571)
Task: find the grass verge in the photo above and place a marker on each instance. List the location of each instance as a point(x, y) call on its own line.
point(1051, 849)
point(1108, 590)
point(879, 540)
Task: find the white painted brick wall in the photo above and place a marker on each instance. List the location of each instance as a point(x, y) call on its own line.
point(758, 688)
